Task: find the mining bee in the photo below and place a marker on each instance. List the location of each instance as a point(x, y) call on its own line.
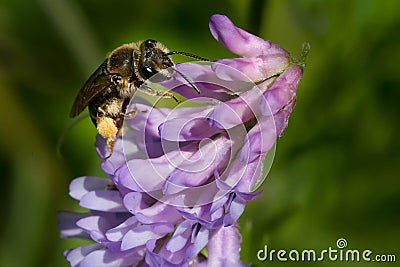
point(111, 87)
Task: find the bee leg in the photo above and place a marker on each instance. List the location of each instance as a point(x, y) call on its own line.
point(154, 92)
point(110, 146)
point(107, 129)
point(131, 113)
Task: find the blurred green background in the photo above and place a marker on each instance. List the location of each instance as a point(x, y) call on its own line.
point(336, 169)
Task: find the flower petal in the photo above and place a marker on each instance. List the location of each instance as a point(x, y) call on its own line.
point(236, 209)
point(200, 241)
point(158, 213)
point(180, 237)
point(82, 185)
point(139, 235)
point(184, 129)
point(235, 112)
point(242, 175)
point(117, 233)
point(163, 257)
point(239, 41)
point(185, 124)
point(103, 200)
point(96, 226)
point(282, 92)
point(224, 248)
point(260, 139)
point(147, 175)
point(75, 256)
point(250, 69)
point(107, 258)
point(212, 88)
point(212, 154)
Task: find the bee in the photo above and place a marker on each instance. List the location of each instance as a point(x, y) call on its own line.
point(111, 87)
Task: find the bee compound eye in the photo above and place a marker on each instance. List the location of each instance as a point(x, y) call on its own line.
point(147, 72)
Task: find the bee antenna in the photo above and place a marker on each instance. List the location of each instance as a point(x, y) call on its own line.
point(187, 79)
point(187, 55)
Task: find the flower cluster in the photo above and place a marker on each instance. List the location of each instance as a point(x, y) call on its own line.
point(180, 178)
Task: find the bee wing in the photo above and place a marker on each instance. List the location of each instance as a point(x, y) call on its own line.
point(97, 83)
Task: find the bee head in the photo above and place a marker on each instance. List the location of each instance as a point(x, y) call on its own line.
point(155, 60)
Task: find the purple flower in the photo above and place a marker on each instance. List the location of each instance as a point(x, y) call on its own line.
point(180, 178)
point(224, 248)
